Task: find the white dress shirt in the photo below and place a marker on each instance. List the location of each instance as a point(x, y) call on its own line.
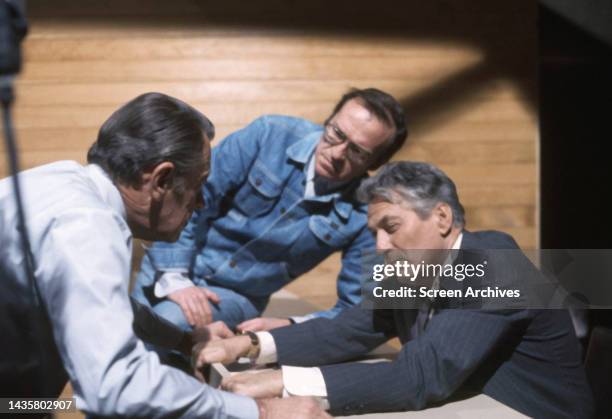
point(309, 381)
point(82, 245)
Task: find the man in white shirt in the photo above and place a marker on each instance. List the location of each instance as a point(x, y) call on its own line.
point(144, 177)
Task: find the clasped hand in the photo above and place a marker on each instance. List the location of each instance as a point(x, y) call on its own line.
point(265, 386)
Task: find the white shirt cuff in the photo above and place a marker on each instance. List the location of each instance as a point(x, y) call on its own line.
point(267, 349)
point(171, 282)
point(300, 381)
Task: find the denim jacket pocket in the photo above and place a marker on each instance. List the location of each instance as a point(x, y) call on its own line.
point(327, 231)
point(259, 193)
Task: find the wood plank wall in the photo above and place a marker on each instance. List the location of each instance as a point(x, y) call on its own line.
point(464, 69)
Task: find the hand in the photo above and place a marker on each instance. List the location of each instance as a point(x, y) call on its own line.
point(194, 303)
point(291, 408)
point(267, 384)
point(214, 331)
point(224, 351)
point(262, 323)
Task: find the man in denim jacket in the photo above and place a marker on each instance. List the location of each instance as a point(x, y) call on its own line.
point(278, 201)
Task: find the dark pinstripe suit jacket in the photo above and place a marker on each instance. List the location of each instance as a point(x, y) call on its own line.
point(526, 359)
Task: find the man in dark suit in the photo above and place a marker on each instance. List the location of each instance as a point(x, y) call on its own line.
point(527, 359)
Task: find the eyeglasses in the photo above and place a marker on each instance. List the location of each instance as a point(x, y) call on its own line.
point(334, 136)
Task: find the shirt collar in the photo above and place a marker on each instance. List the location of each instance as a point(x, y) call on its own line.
point(457, 244)
point(107, 189)
point(450, 259)
point(310, 169)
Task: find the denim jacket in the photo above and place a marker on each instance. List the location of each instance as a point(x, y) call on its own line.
point(257, 232)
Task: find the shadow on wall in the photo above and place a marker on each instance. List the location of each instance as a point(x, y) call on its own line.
point(503, 32)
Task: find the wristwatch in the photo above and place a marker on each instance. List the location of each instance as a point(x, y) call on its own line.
point(253, 352)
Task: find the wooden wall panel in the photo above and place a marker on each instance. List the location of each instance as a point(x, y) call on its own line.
point(464, 70)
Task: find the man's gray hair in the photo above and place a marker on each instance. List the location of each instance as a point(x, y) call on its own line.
point(421, 185)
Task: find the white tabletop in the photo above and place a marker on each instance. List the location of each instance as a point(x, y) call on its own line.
point(477, 407)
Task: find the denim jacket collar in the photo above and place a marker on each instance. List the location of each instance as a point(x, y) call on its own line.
point(342, 208)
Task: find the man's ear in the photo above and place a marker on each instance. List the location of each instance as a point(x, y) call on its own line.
point(444, 218)
point(161, 179)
